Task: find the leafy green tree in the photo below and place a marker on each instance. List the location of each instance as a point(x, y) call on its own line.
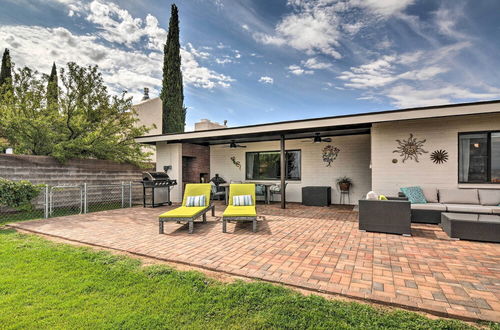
point(172, 95)
point(52, 87)
point(6, 73)
point(27, 123)
point(87, 122)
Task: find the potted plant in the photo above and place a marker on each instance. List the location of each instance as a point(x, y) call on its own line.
point(344, 183)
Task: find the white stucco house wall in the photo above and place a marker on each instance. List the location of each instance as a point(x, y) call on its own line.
point(368, 149)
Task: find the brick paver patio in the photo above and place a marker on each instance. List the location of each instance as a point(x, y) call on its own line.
point(311, 247)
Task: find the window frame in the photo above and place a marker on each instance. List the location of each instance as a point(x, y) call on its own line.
point(488, 155)
point(278, 151)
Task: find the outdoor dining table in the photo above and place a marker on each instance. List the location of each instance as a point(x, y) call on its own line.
point(267, 194)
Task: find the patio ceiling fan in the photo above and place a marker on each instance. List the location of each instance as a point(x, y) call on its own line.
point(234, 145)
point(318, 139)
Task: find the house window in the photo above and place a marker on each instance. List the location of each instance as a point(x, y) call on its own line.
point(265, 165)
point(479, 157)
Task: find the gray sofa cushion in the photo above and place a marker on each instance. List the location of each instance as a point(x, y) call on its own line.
point(458, 196)
point(489, 218)
point(429, 206)
point(489, 197)
point(431, 194)
point(469, 208)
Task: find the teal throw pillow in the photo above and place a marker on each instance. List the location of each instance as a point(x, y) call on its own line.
point(415, 195)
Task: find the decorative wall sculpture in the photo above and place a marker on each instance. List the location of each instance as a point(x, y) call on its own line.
point(439, 156)
point(330, 153)
point(410, 148)
point(236, 162)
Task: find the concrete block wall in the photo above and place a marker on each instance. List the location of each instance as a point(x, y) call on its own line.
point(47, 170)
point(440, 133)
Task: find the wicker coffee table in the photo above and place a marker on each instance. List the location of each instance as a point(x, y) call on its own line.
point(476, 227)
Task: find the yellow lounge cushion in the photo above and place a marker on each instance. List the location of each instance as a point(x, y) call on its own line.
point(183, 212)
point(196, 189)
point(240, 211)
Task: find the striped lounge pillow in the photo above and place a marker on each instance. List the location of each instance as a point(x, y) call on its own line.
point(242, 200)
point(195, 201)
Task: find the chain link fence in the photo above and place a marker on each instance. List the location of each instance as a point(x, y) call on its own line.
point(56, 201)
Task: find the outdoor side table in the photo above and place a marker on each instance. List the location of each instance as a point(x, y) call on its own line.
point(317, 195)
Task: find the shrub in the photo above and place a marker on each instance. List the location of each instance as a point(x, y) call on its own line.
point(18, 194)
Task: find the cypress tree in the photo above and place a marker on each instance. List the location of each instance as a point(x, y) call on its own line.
point(172, 95)
point(6, 72)
point(52, 89)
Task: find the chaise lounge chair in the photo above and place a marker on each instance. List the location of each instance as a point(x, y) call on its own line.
point(187, 213)
point(240, 212)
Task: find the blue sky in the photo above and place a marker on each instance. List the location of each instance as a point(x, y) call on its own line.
point(259, 61)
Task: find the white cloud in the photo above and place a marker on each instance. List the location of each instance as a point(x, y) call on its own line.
point(245, 27)
point(266, 80)
point(314, 63)
point(200, 76)
point(223, 60)
point(424, 73)
point(408, 96)
point(391, 68)
point(298, 71)
point(117, 24)
point(446, 21)
point(197, 52)
point(374, 74)
point(319, 26)
point(311, 32)
point(383, 7)
point(122, 69)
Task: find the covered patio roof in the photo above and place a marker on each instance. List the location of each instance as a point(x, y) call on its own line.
point(327, 126)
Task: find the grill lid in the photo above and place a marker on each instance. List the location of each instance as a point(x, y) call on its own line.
point(217, 180)
point(155, 176)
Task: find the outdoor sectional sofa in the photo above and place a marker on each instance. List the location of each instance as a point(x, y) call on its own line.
point(475, 201)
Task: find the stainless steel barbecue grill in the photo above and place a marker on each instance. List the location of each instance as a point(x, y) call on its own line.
point(156, 188)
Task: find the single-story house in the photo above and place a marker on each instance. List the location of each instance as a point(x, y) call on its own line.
point(446, 146)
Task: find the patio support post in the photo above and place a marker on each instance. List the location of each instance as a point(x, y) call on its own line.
point(84, 198)
point(123, 194)
point(282, 171)
point(46, 202)
point(130, 194)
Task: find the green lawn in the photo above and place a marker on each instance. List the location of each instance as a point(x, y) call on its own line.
point(49, 285)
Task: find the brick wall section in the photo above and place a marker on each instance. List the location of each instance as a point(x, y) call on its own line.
point(195, 160)
point(44, 169)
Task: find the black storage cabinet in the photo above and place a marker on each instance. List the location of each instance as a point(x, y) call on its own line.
point(317, 196)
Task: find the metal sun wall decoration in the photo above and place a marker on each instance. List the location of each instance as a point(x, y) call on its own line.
point(236, 162)
point(439, 156)
point(330, 153)
point(410, 148)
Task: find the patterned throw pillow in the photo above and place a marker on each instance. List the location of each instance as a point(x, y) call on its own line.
point(242, 200)
point(260, 189)
point(415, 195)
point(195, 201)
point(276, 188)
